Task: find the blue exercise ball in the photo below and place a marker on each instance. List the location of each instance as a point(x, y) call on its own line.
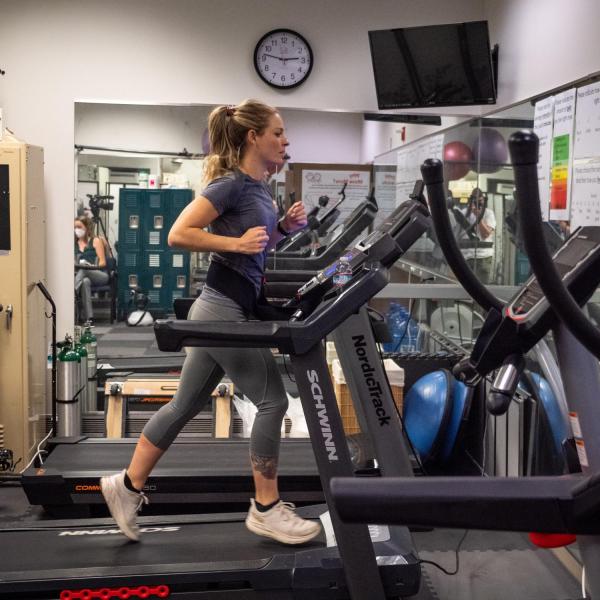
point(461, 405)
point(556, 419)
point(427, 409)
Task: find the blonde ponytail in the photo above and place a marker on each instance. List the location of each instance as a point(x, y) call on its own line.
point(227, 129)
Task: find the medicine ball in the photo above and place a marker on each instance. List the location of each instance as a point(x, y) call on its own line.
point(490, 151)
point(458, 160)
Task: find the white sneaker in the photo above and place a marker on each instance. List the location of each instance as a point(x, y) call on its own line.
point(281, 523)
point(123, 504)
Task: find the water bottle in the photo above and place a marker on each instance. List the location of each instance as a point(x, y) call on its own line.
point(411, 337)
point(343, 272)
point(395, 319)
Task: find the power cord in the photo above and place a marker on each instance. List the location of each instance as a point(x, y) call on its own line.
point(38, 453)
point(456, 552)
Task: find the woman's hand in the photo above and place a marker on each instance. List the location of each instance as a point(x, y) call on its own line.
point(295, 218)
point(254, 240)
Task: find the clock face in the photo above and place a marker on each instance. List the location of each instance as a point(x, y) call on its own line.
point(283, 58)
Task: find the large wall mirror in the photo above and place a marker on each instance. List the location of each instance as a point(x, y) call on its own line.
point(138, 165)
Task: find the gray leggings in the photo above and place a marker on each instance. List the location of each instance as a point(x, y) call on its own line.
point(253, 371)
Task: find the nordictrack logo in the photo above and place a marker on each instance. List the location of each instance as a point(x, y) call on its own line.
point(80, 532)
point(317, 394)
point(374, 387)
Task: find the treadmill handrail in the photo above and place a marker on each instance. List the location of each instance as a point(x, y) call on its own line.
point(294, 337)
point(523, 147)
point(332, 250)
point(347, 224)
point(433, 176)
point(545, 504)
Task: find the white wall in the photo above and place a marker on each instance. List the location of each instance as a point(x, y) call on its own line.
point(543, 44)
point(177, 52)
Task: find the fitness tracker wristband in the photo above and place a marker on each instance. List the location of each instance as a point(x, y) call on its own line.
point(281, 230)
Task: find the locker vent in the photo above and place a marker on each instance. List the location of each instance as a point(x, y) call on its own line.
point(154, 260)
point(178, 261)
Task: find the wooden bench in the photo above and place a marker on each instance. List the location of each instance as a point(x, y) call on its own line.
point(159, 391)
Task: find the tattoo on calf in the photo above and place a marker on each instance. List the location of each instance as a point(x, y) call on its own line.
point(265, 465)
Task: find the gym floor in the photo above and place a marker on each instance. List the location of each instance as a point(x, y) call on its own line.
point(493, 565)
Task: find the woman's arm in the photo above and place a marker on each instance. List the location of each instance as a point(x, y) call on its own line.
point(99, 248)
point(294, 219)
point(188, 232)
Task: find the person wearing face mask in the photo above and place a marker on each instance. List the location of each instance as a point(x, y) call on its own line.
point(89, 253)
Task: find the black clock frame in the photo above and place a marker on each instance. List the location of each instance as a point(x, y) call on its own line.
point(308, 47)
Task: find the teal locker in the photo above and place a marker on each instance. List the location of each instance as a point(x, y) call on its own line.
point(145, 260)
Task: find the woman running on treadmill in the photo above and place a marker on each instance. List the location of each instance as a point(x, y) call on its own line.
point(237, 208)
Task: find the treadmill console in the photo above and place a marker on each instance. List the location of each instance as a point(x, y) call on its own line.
point(354, 256)
point(527, 317)
point(568, 260)
point(386, 244)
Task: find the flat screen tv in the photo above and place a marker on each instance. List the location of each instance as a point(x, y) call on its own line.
point(436, 65)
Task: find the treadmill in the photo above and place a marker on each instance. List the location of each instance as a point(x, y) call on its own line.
point(67, 484)
point(567, 505)
point(214, 553)
point(319, 220)
point(283, 282)
point(344, 234)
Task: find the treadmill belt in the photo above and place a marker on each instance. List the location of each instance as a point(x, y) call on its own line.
point(103, 550)
point(205, 458)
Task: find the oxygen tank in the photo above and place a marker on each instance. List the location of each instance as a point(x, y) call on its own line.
point(88, 339)
point(68, 410)
point(83, 376)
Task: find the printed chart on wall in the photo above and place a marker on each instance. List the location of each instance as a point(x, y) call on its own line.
point(409, 161)
point(317, 183)
point(562, 152)
point(543, 123)
point(585, 195)
point(384, 180)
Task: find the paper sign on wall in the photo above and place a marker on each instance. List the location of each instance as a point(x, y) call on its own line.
point(562, 153)
point(321, 182)
point(587, 122)
point(409, 161)
point(543, 124)
point(385, 192)
point(585, 193)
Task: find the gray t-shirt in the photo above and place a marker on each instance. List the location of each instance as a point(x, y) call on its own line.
point(242, 203)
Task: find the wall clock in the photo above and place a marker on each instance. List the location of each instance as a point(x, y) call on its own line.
point(283, 58)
